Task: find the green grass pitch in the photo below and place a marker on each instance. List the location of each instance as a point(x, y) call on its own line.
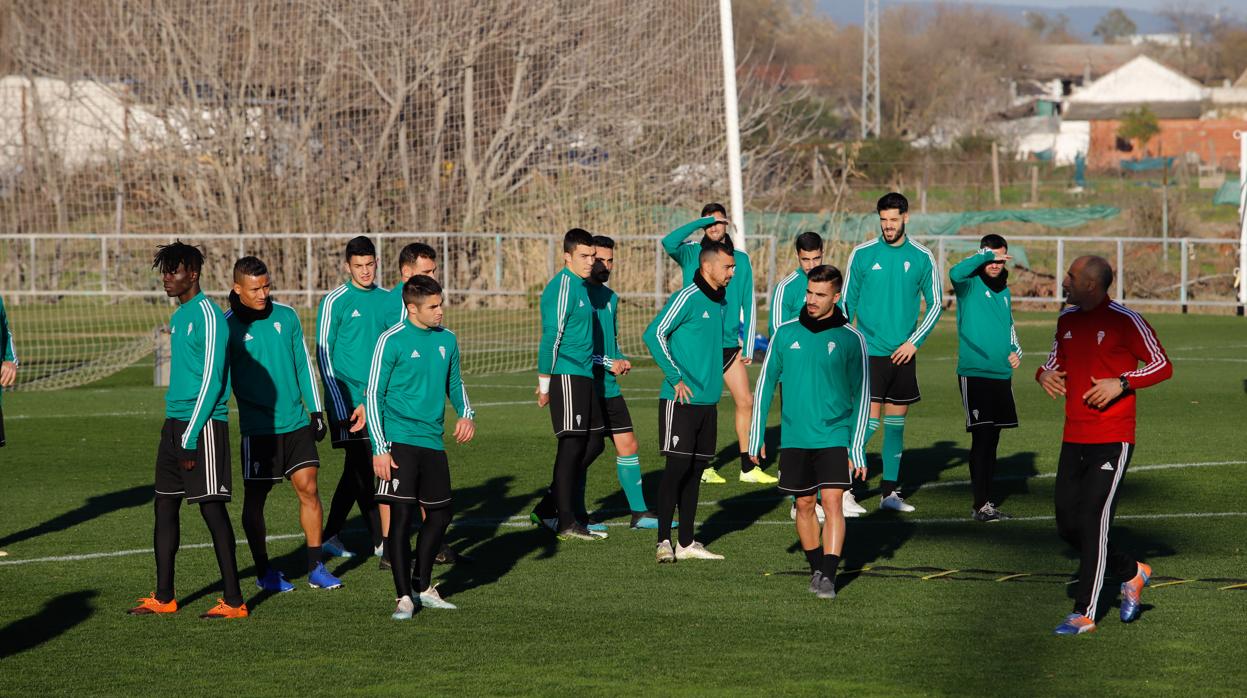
point(928, 615)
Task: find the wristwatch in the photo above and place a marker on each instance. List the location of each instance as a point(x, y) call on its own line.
point(1125, 384)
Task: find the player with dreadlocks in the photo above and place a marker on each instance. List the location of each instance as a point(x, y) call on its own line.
point(193, 459)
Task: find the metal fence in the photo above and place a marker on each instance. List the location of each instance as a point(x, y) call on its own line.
point(503, 270)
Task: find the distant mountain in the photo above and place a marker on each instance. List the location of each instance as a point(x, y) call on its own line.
point(1082, 19)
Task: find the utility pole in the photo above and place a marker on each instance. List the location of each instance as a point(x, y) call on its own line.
point(871, 122)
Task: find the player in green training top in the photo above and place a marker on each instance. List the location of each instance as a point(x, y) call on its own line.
point(740, 319)
point(987, 353)
point(192, 461)
point(682, 341)
point(415, 367)
point(820, 361)
point(788, 298)
point(8, 361)
point(565, 382)
point(609, 362)
point(886, 280)
point(273, 381)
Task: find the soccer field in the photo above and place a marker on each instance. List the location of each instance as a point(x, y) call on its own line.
point(931, 602)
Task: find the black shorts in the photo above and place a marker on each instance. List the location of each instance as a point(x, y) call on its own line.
point(687, 430)
point(892, 383)
point(803, 471)
point(988, 402)
point(615, 413)
point(341, 437)
point(210, 480)
point(270, 457)
point(575, 406)
point(423, 475)
point(729, 356)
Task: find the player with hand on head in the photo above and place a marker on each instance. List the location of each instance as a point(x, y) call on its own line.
point(415, 368)
point(681, 338)
point(740, 318)
point(273, 381)
point(987, 353)
point(350, 319)
point(886, 280)
point(820, 360)
point(565, 383)
point(1094, 366)
point(192, 461)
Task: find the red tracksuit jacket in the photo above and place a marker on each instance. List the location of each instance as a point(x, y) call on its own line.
point(1108, 341)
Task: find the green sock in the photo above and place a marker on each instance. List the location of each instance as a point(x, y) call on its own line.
point(893, 445)
point(629, 470)
point(872, 425)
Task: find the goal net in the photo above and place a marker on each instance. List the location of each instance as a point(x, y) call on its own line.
point(283, 127)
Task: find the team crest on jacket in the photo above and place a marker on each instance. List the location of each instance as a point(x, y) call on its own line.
point(277, 326)
point(190, 327)
point(443, 351)
point(906, 266)
point(831, 346)
point(1099, 337)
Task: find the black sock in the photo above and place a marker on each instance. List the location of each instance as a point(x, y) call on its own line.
point(255, 494)
point(830, 563)
point(567, 463)
point(887, 487)
point(165, 539)
point(223, 542)
point(401, 516)
point(429, 542)
point(669, 494)
point(314, 557)
point(745, 463)
point(690, 487)
point(983, 443)
point(815, 558)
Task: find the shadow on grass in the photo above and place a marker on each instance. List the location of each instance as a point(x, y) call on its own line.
point(484, 512)
point(55, 618)
point(94, 507)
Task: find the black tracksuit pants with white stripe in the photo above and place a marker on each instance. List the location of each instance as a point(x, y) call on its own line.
point(1088, 482)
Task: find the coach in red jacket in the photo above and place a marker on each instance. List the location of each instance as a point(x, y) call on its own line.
point(1094, 364)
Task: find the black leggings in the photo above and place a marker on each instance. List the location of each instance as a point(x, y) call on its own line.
point(681, 483)
point(167, 538)
point(402, 517)
point(983, 443)
point(356, 486)
point(565, 498)
point(255, 495)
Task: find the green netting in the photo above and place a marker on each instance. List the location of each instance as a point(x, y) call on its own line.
point(1144, 164)
point(855, 227)
point(1228, 193)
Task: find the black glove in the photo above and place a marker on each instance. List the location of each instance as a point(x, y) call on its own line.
point(319, 428)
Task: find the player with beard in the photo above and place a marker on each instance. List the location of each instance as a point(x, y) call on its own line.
point(886, 278)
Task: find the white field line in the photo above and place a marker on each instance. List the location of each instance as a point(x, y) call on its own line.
point(1049, 476)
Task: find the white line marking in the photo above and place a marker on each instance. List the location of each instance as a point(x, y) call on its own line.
point(511, 523)
point(1049, 476)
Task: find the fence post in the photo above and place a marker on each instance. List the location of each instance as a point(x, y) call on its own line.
point(996, 173)
point(1121, 272)
point(498, 262)
point(308, 284)
point(1182, 290)
point(770, 272)
point(1059, 274)
point(942, 260)
point(34, 268)
point(551, 265)
point(659, 281)
point(104, 264)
